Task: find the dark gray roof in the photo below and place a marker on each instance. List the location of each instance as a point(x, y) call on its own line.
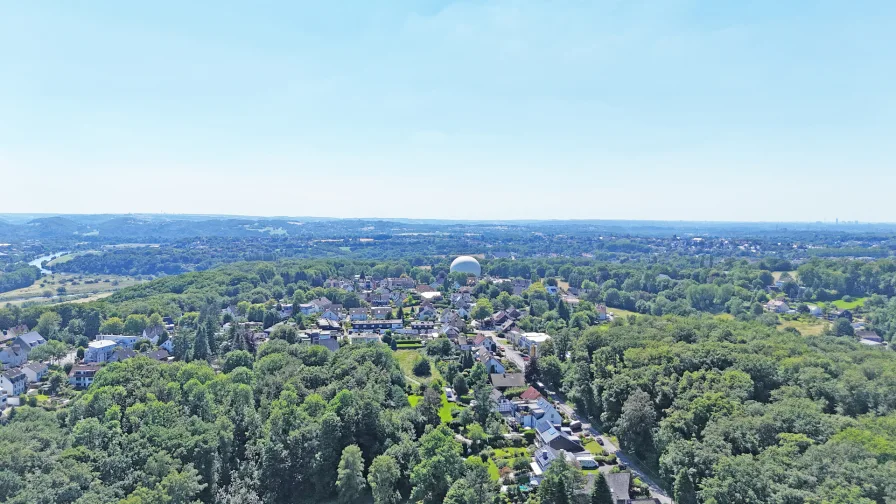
point(619, 483)
point(507, 380)
point(33, 338)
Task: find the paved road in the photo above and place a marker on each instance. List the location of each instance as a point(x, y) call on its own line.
point(655, 490)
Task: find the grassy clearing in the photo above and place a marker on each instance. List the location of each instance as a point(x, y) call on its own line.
point(852, 305)
point(511, 453)
point(406, 359)
point(493, 470)
point(45, 288)
point(778, 274)
point(620, 313)
point(806, 328)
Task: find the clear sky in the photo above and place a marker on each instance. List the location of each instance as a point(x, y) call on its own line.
point(625, 109)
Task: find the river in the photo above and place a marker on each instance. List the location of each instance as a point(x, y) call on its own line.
point(37, 262)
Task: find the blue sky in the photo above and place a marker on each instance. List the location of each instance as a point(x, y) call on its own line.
point(624, 109)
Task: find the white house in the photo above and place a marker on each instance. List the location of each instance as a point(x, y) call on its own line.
point(168, 346)
point(308, 308)
point(361, 338)
point(777, 306)
point(14, 382)
point(528, 341)
point(356, 314)
point(381, 313)
point(501, 404)
point(330, 315)
point(13, 356)
point(815, 311)
point(492, 364)
point(123, 341)
point(99, 351)
point(528, 413)
point(35, 371)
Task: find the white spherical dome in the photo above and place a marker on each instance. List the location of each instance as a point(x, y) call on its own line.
point(466, 264)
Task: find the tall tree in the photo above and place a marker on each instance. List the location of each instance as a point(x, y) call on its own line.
point(440, 465)
point(600, 492)
point(383, 480)
point(636, 424)
point(350, 475)
point(561, 483)
point(200, 345)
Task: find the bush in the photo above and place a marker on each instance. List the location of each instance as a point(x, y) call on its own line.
point(422, 367)
point(529, 436)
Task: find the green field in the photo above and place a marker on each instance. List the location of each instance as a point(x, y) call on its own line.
point(811, 328)
point(852, 305)
point(493, 470)
point(406, 359)
point(43, 290)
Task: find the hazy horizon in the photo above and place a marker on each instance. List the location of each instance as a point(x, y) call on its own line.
point(454, 110)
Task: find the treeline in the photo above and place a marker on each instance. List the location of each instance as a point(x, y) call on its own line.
point(733, 412)
point(294, 423)
point(17, 277)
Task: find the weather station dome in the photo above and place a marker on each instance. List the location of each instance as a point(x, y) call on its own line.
point(466, 264)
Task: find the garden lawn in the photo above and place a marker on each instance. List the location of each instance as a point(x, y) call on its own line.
point(851, 305)
point(594, 447)
point(444, 411)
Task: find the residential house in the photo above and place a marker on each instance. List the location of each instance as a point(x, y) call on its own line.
point(485, 342)
point(544, 456)
point(499, 317)
point(153, 334)
point(601, 312)
point(376, 325)
point(869, 335)
point(328, 325)
point(500, 403)
point(30, 340)
point(356, 314)
point(400, 283)
point(619, 484)
point(529, 341)
point(4, 399)
point(122, 341)
point(381, 313)
point(531, 394)
point(504, 381)
point(168, 345)
point(325, 339)
point(14, 382)
point(361, 338)
point(422, 288)
point(160, 355)
point(35, 371)
point(286, 311)
point(122, 354)
point(509, 327)
point(81, 375)
point(99, 351)
point(331, 315)
point(423, 326)
point(463, 343)
point(13, 356)
point(431, 296)
point(308, 308)
point(551, 289)
point(547, 435)
point(450, 331)
point(528, 413)
point(777, 306)
point(491, 363)
point(815, 311)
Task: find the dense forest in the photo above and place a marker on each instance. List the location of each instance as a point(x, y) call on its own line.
point(739, 413)
point(18, 276)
